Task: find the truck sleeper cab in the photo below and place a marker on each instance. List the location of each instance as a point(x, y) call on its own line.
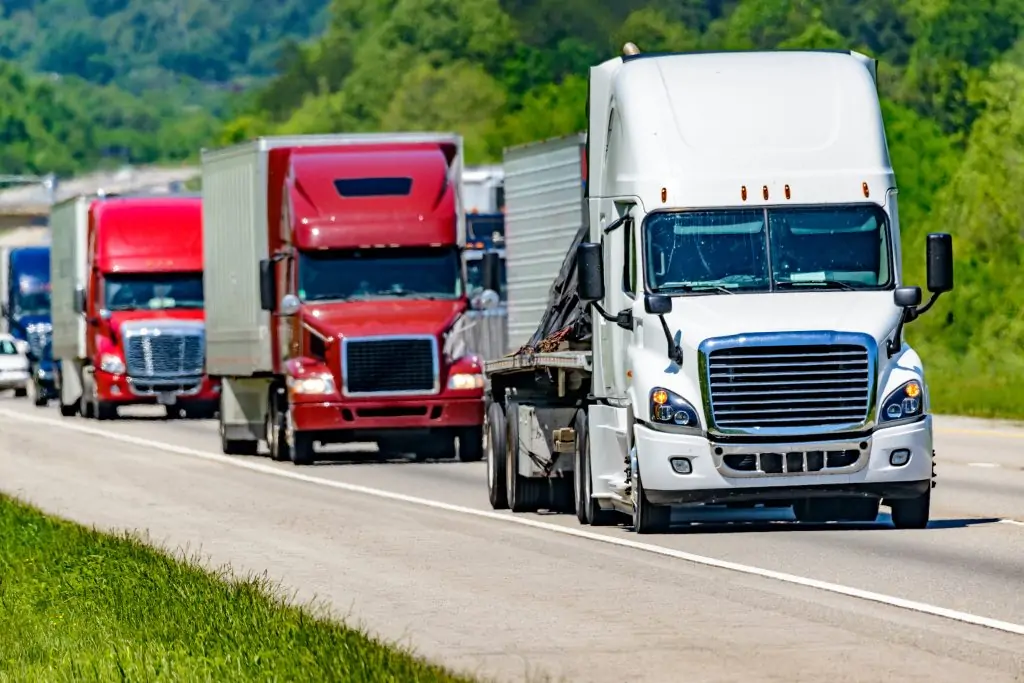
point(744, 278)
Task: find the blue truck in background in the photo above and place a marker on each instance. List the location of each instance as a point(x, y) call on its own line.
point(25, 308)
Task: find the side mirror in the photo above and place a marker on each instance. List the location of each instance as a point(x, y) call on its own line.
point(79, 300)
point(590, 272)
point(907, 297)
point(491, 271)
point(940, 262)
point(486, 300)
point(268, 297)
point(656, 304)
point(290, 304)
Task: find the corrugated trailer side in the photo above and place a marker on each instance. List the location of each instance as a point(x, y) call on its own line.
point(234, 242)
point(543, 212)
point(69, 222)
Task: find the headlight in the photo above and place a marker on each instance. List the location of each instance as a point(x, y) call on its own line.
point(668, 408)
point(111, 363)
point(464, 380)
point(316, 384)
point(906, 402)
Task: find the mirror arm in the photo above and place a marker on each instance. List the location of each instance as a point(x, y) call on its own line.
point(615, 224)
point(624, 319)
point(921, 310)
point(675, 353)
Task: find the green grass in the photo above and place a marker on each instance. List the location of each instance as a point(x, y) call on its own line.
point(78, 605)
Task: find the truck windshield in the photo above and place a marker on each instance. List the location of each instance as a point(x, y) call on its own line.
point(32, 303)
point(153, 291)
point(773, 249)
point(417, 273)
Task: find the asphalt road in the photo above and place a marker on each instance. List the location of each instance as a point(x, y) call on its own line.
point(414, 553)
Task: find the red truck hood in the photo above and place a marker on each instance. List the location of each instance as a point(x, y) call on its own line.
point(383, 316)
point(118, 318)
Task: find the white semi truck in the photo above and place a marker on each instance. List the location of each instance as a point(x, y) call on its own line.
point(727, 325)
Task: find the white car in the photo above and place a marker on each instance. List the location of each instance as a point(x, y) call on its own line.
point(13, 366)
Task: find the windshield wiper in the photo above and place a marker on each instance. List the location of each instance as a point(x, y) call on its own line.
point(697, 288)
point(816, 284)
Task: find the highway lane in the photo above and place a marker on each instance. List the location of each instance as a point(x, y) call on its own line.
point(481, 593)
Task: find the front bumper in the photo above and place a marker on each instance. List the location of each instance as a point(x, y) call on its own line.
point(866, 472)
point(124, 390)
point(365, 420)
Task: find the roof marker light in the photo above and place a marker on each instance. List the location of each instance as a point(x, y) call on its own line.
point(630, 49)
point(664, 195)
point(743, 192)
point(764, 192)
point(787, 192)
point(864, 187)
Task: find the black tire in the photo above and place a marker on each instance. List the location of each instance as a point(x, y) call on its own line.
point(237, 446)
point(823, 510)
point(497, 492)
point(21, 392)
point(524, 494)
point(276, 433)
point(588, 511)
point(40, 400)
point(911, 513)
point(648, 518)
point(303, 452)
point(105, 410)
point(471, 444)
point(67, 411)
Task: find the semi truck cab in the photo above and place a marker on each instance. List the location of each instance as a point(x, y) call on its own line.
point(26, 313)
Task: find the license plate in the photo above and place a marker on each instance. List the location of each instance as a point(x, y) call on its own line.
point(166, 399)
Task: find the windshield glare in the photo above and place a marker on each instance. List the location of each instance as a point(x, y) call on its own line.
point(32, 303)
point(153, 291)
point(836, 247)
point(418, 273)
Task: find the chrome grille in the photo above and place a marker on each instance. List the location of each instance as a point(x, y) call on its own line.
point(390, 365)
point(765, 388)
point(164, 353)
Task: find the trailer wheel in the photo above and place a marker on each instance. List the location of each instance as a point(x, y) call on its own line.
point(496, 454)
point(236, 446)
point(525, 494)
point(588, 511)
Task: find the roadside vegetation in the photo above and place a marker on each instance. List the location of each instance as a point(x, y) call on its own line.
point(80, 605)
point(503, 72)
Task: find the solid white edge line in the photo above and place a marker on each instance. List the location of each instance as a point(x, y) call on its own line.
point(509, 518)
point(1011, 521)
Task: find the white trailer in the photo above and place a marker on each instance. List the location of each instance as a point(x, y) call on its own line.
point(741, 263)
point(69, 226)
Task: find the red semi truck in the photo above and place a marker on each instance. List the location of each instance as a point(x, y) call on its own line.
point(127, 305)
point(338, 293)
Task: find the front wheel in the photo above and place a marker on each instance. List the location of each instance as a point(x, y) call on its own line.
point(911, 513)
point(588, 511)
point(302, 450)
point(648, 518)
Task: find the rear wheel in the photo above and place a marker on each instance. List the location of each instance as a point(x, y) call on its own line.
point(496, 453)
point(524, 494)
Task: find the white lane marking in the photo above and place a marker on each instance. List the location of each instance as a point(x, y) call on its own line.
point(1011, 521)
point(509, 518)
point(983, 464)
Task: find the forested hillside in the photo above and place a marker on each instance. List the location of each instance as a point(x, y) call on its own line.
point(952, 76)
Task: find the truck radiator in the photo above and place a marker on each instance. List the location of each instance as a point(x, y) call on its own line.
point(161, 354)
point(769, 388)
point(390, 365)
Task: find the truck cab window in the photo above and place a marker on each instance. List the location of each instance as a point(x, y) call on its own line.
point(415, 273)
point(153, 291)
